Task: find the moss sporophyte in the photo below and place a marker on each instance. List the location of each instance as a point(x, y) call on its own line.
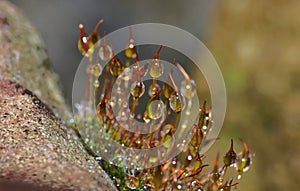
point(167, 100)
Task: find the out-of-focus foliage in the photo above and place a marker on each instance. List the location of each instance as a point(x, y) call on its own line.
point(257, 46)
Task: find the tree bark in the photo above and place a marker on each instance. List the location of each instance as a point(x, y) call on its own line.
point(37, 150)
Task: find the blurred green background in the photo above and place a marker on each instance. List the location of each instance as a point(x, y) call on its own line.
point(256, 44)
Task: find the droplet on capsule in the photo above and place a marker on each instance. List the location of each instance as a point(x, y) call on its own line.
point(156, 68)
point(116, 66)
point(188, 88)
point(105, 53)
point(83, 45)
point(177, 102)
point(130, 50)
point(153, 89)
point(96, 83)
point(244, 162)
point(155, 109)
point(97, 69)
point(137, 89)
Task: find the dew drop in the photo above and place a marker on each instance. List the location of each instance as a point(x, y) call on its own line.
point(137, 89)
point(116, 67)
point(130, 50)
point(188, 88)
point(146, 118)
point(105, 53)
point(156, 68)
point(83, 41)
point(126, 74)
point(153, 89)
point(97, 69)
point(155, 109)
point(89, 69)
point(96, 83)
point(177, 102)
point(103, 109)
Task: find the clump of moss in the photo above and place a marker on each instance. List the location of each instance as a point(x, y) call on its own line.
point(182, 172)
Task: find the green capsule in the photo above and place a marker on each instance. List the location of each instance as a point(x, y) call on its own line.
point(116, 66)
point(156, 68)
point(137, 89)
point(155, 109)
point(153, 89)
point(167, 90)
point(177, 102)
point(197, 137)
point(230, 156)
point(97, 69)
point(130, 51)
point(105, 53)
point(167, 140)
point(244, 162)
point(188, 88)
point(102, 109)
point(198, 162)
point(83, 45)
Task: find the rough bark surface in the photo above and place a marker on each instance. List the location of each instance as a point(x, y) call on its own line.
point(37, 151)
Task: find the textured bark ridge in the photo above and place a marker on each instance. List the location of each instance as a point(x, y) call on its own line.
point(37, 151)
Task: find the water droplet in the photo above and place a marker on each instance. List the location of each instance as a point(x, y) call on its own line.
point(153, 159)
point(130, 50)
point(116, 67)
point(103, 109)
point(126, 74)
point(188, 88)
point(105, 53)
point(137, 89)
point(155, 109)
point(96, 83)
point(153, 89)
point(146, 118)
point(177, 102)
point(97, 69)
point(89, 69)
point(156, 68)
point(244, 162)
